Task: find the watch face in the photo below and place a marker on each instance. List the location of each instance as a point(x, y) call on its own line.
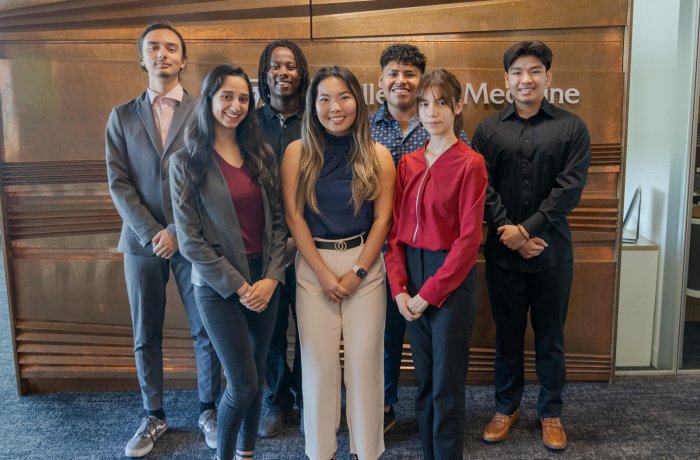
point(361, 273)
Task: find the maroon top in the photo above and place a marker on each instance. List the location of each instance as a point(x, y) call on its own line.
point(248, 201)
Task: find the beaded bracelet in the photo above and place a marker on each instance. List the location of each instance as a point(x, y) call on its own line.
point(524, 233)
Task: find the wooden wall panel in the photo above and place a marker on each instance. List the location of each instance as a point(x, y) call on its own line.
point(470, 16)
point(89, 20)
point(64, 64)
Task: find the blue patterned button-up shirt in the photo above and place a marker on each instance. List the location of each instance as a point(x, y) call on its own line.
point(387, 132)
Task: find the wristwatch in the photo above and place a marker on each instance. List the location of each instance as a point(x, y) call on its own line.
point(359, 271)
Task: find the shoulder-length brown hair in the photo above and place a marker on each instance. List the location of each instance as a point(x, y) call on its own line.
point(363, 158)
point(443, 84)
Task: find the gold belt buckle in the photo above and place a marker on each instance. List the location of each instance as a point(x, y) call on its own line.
point(341, 245)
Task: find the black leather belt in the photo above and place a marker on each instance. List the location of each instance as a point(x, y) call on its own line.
point(342, 245)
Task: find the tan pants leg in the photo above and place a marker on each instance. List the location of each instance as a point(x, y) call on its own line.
point(360, 320)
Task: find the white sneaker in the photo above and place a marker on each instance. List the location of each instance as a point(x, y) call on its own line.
point(207, 423)
point(142, 442)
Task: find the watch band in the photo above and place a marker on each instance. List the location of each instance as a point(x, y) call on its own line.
point(359, 271)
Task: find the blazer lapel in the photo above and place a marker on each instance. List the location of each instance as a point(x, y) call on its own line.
point(149, 122)
point(182, 109)
point(267, 233)
point(220, 209)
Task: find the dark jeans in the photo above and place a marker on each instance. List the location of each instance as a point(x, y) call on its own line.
point(394, 330)
point(440, 345)
point(241, 338)
point(546, 296)
point(280, 378)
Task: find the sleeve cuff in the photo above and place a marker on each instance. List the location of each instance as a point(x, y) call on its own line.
point(534, 224)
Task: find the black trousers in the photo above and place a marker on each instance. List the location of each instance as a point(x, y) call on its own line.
point(280, 378)
point(440, 346)
point(546, 296)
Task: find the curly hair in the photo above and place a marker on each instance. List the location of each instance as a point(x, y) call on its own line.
point(405, 54)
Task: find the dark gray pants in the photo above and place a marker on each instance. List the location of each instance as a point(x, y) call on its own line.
point(146, 280)
point(440, 346)
point(241, 338)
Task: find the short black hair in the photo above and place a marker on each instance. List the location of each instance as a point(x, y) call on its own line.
point(264, 67)
point(157, 26)
point(528, 48)
point(405, 54)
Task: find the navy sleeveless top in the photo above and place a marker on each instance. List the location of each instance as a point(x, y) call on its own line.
point(337, 219)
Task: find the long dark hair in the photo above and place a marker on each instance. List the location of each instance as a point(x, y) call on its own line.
point(199, 138)
point(264, 67)
point(366, 172)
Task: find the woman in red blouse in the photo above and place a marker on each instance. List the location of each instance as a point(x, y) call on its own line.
point(434, 240)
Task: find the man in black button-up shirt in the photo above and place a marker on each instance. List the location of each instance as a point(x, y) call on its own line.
point(537, 158)
point(283, 77)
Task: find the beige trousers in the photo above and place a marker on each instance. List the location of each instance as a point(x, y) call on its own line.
point(359, 321)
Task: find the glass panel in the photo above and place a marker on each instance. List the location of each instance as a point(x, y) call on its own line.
point(690, 357)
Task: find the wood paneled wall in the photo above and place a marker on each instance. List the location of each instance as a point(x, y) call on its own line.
point(64, 64)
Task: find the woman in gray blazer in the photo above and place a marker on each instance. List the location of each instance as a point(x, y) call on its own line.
point(230, 226)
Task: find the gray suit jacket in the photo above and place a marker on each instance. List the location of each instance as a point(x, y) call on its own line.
point(210, 237)
point(137, 170)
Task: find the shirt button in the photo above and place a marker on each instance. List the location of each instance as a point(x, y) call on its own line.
point(527, 203)
point(527, 141)
point(527, 182)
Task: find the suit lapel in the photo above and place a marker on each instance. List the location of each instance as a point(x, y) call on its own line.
point(180, 113)
point(149, 122)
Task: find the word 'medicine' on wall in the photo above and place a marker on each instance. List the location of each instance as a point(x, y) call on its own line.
point(499, 96)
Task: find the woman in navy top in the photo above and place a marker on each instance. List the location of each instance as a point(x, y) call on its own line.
point(230, 225)
point(338, 188)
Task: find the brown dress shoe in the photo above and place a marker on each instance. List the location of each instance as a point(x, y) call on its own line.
point(553, 434)
point(498, 428)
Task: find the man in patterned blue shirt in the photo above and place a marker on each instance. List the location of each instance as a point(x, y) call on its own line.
point(396, 125)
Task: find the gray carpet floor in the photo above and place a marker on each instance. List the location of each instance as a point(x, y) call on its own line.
point(635, 418)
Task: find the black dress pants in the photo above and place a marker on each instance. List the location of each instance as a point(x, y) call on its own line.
point(440, 346)
point(546, 296)
point(280, 378)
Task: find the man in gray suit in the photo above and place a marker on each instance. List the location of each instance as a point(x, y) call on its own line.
point(140, 137)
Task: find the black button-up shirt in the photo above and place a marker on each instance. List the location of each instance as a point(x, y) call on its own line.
point(277, 132)
point(537, 169)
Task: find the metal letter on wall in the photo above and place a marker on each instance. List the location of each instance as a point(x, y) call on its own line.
point(64, 65)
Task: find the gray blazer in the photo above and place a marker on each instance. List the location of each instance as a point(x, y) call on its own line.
point(210, 237)
point(137, 170)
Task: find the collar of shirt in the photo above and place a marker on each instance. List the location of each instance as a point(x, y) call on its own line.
point(176, 94)
point(510, 111)
point(269, 113)
point(383, 115)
